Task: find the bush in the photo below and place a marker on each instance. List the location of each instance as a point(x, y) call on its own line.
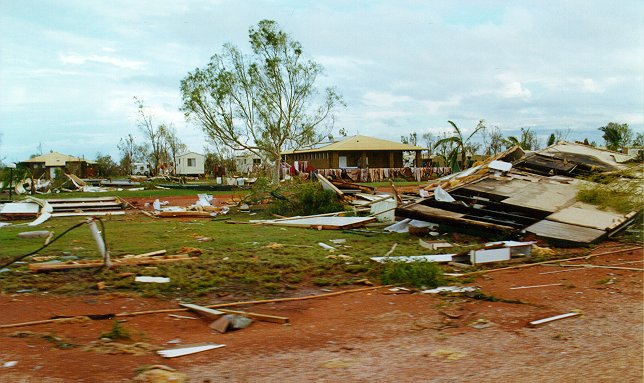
point(414, 274)
point(304, 198)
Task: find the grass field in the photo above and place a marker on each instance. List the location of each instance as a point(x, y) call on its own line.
point(238, 259)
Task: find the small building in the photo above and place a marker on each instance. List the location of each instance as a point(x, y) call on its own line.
point(247, 162)
point(52, 163)
point(190, 164)
point(356, 152)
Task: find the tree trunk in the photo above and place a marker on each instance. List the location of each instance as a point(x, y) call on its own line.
point(278, 166)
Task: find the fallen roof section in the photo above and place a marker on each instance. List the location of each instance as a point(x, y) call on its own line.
point(495, 197)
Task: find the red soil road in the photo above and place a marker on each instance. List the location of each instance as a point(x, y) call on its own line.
point(371, 336)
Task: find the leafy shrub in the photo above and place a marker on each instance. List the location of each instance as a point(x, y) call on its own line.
point(118, 332)
point(416, 274)
point(304, 198)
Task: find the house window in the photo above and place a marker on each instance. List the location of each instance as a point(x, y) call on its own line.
point(192, 162)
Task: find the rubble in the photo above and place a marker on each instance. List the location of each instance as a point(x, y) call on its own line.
point(501, 196)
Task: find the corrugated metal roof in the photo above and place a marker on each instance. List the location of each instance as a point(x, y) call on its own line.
point(54, 159)
point(359, 143)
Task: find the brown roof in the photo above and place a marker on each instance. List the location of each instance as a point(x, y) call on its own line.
point(360, 143)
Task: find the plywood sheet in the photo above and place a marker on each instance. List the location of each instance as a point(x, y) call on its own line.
point(565, 232)
point(583, 214)
point(500, 187)
point(544, 196)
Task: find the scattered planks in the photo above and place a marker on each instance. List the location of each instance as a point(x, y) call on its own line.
point(624, 250)
point(218, 306)
point(44, 267)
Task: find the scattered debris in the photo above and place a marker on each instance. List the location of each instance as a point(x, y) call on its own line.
point(176, 352)
point(319, 222)
point(160, 374)
point(434, 245)
point(481, 324)
point(9, 364)
point(451, 289)
point(543, 321)
point(230, 322)
point(43, 267)
point(107, 346)
point(449, 354)
point(145, 279)
point(535, 286)
point(325, 246)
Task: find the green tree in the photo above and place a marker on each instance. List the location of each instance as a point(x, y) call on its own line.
point(411, 139)
point(528, 140)
point(105, 165)
point(639, 140)
point(616, 136)
point(551, 140)
point(265, 102)
point(460, 146)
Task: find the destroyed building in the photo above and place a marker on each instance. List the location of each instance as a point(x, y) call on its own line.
point(516, 194)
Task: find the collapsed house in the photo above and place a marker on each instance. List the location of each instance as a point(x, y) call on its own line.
point(514, 194)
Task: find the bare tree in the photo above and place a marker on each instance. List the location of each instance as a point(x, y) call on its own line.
point(492, 141)
point(172, 143)
point(153, 135)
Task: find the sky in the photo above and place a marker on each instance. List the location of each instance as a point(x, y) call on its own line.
point(70, 69)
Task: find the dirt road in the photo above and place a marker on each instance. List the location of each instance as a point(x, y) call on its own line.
point(374, 336)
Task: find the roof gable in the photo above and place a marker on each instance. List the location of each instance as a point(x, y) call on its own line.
point(54, 159)
point(360, 143)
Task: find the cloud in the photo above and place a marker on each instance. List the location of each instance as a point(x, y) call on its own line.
point(73, 58)
point(434, 107)
point(383, 100)
point(515, 89)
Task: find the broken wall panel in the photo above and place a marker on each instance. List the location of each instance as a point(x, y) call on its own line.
point(583, 214)
point(565, 233)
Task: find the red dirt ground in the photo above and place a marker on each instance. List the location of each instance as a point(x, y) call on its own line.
point(372, 336)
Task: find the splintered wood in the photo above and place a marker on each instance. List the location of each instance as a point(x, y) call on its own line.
point(43, 267)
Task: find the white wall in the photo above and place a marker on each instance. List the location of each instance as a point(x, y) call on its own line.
point(196, 169)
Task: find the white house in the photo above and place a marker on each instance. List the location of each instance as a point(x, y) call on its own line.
point(190, 163)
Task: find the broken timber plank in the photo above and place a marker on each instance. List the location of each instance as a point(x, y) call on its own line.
point(203, 311)
point(327, 185)
point(431, 214)
point(536, 323)
point(42, 267)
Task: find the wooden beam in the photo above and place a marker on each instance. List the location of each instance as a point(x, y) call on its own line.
point(540, 322)
point(43, 267)
point(259, 317)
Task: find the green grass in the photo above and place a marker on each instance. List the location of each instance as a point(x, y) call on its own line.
point(415, 274)
point(236, 261)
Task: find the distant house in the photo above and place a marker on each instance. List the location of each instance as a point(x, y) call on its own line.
point(52, 163)
point(356, 152)
point(190, 164)
point(247, 162)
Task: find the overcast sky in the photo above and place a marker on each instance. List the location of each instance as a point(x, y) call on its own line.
point(69, 69)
